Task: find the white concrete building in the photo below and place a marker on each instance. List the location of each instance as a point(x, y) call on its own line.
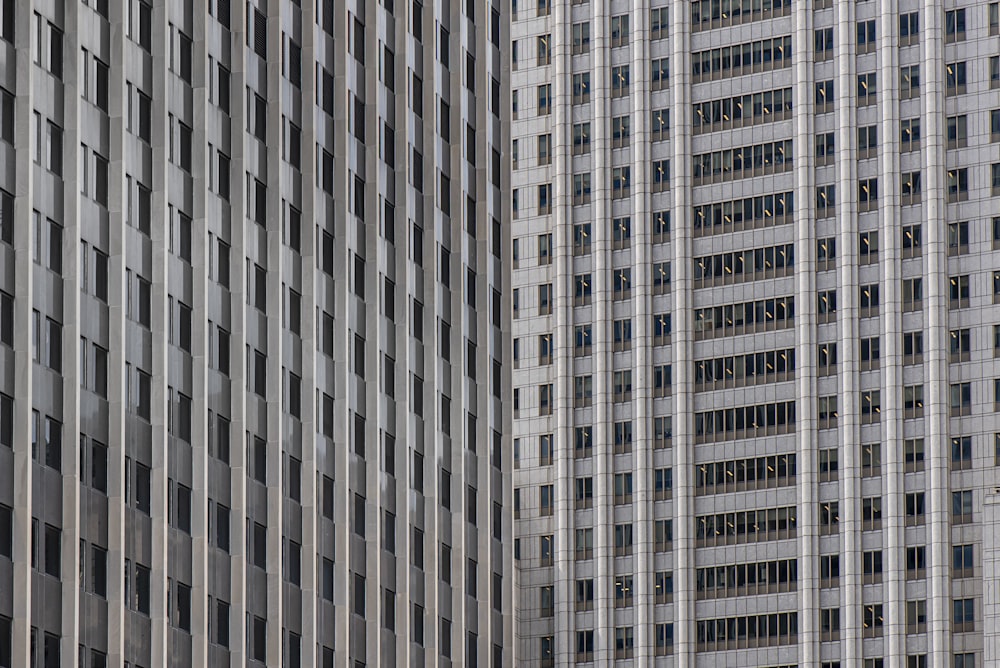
point(754, 331)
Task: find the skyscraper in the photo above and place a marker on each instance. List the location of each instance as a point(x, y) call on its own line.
point(252, 347)
point(754, 331)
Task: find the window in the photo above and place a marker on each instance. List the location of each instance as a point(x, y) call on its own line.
point(867, 88)
point(825, 151)
point(545, 199)
point(964, 617)
point(829, 624)
point(867, 142)
point(962, 562)
point(827, 412)
point(52, 551)
point(620, 131)
point(916, 562)
point(871, 459)
point(866, 36)
point(620, 81)
point(581, 138)
point(829, 570)
point(581, 189)
point(581, 88)
point(955, 78)
point(910, 188)
point(958, 183)
point(826, 199)
point(544, 99)
point(958, 238)
point(871, 406)
point(829, 517)
point(619, 30)
point(909, 81)
point(621, 182)
point(581, 38)
point(825, 44)
point(868, 194)
point(958, 292)
point(916, 616)
point(623, 539)
point(954, 26)
point(827, 304)
point(623, 488)
point(909, 134)
point(961, 507)
point(48, 47)
point(660, 73)
point(872, 620)
point(909, 28)
point(824, 96)
point(965, 659)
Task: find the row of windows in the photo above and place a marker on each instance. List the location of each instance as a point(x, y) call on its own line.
point(745, 526)
point(708, 14)
point(744, 422)
point(624, 644)
point(740, 266)
point(743, 110)
point(745, 318)
point(743, 214)
point(731, 61)
point(663, 589)
point(741, 370)
point(737, 475)
point(751, 579)
point(747, 632)
point(743, 162)
point(623, 438)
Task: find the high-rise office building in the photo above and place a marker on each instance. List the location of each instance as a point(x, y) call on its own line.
point(754, 331)
point(252, 347)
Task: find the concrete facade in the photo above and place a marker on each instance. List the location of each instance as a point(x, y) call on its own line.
point(253, 354)
point(755, 331)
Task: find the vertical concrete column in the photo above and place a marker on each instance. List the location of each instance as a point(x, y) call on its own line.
point(160, 228)
point(603, 309)
point(804, 199)
point(239, 467)
point(73, 182)
point(25, 142)
point(342, 419)
point(936, 310)
point(845, 87)
point(311, 420)
point(683, 334)
point(118, 293)
point(562, 227)
point(890, 259)
point(439, 374)
point(201, 338)
point(275, 393)
point(642, 309)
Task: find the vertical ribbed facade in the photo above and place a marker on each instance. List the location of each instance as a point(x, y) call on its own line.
point(754, 332)
point(254, 357)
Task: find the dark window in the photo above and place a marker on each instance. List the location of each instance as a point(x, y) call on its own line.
point(53, 551)
point(142, 492)
point(99, 571)
point(222, 623)
point(98, 466)
point(222, 527)
point(6, 536)
point(183, 513)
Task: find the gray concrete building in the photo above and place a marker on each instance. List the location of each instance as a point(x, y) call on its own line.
point(253, 352)
point(755, 276)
